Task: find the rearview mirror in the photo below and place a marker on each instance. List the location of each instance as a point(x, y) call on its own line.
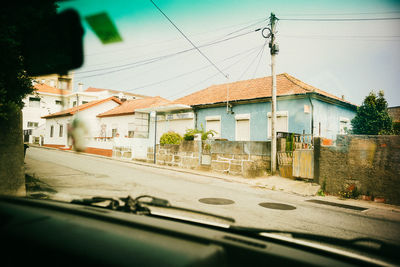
point(56, 46)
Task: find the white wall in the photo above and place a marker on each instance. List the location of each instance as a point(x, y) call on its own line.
point(88, 116)
point(166, 124)
point(56, 139)
point(137, 122)
point(47, 106)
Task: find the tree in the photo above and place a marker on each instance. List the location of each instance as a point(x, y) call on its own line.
point(17, 19)
point(372, 116)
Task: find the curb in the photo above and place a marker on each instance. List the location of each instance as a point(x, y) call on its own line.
point(140, 163)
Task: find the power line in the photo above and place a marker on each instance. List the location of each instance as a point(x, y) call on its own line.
point(217, 39)
point(258, 63)
point(259, 20)
point(206, 79)
point(340, 14)
point(346, 37)
point(251, 63)
point(215, 66)
point(190, 72)
point(338, 19)
point(151, 60)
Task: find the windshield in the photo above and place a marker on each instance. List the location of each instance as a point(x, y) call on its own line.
point(281, 115)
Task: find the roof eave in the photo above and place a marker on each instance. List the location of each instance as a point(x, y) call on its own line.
point(116, 114)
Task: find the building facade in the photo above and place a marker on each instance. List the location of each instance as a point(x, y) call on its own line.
point(301, 109)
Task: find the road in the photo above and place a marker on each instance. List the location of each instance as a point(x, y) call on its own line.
point(74, 175)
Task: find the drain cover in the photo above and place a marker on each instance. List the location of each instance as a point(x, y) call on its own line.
point(216, 201)
point(336, 204)
point(277, 206)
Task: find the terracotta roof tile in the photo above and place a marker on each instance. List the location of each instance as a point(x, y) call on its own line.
point(129, 106)
point(251, 89)
point(72, 111)
point(44, 88)
point(92, 89)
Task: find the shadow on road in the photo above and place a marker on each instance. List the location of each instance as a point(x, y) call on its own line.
point(36, 188)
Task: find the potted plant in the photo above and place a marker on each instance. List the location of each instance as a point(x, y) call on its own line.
point(379, 199)
point(367, 196)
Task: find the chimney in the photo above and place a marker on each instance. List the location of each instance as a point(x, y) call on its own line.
point(342, 97)
point(80, 87)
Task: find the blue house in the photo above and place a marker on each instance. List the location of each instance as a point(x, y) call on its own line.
point(240, 111)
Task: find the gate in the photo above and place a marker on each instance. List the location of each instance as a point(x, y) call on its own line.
point(296, 156)
point(303, 157)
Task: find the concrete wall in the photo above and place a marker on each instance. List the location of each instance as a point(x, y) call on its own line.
point(299, 117)
point(371, 163)
point(12, 172)
point(248, 159)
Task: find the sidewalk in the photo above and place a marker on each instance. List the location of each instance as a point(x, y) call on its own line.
point(276, 183)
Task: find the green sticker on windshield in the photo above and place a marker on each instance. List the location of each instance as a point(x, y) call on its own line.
point(104, 28)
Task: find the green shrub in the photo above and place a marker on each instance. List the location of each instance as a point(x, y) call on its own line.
point(190, 133)
point(396, 128)
point(170, 138)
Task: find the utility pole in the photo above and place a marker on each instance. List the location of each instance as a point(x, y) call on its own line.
point(274, 49)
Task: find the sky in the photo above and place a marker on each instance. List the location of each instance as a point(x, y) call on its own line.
point(352, 56)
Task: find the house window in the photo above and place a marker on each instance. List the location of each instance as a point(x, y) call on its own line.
point(74, 104)
point(58, 102)
point(85, 102)
point(140, 126)
point(63, 83)
point(60, 134)
point(242, 127)
point(282, 122)
point(34, 102)
point(33, 124)
point(114, 132)
point(131, 134)
point(51, 130)
point(214, 123)
point(344, 124)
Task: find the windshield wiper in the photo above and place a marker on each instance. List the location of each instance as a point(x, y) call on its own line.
point(138, 206)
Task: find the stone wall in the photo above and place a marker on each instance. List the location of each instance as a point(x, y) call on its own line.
point(185, 155)
point(248, 159)
point(245, 158)
point(371, 163)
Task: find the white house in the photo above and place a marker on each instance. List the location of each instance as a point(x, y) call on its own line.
point(48, 100)
point(45, 100)
point(170, 118)
point(109, 92)
point(57, 124)
point(125, 119)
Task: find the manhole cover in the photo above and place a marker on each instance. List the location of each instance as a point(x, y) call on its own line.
point(277, 206)
point(216, 201)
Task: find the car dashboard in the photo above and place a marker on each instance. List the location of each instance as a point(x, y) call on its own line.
point(50, 233)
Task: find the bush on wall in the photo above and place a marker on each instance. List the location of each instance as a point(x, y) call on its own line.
point(170, 138)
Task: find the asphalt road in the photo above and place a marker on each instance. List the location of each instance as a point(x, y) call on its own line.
point(74, 175)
